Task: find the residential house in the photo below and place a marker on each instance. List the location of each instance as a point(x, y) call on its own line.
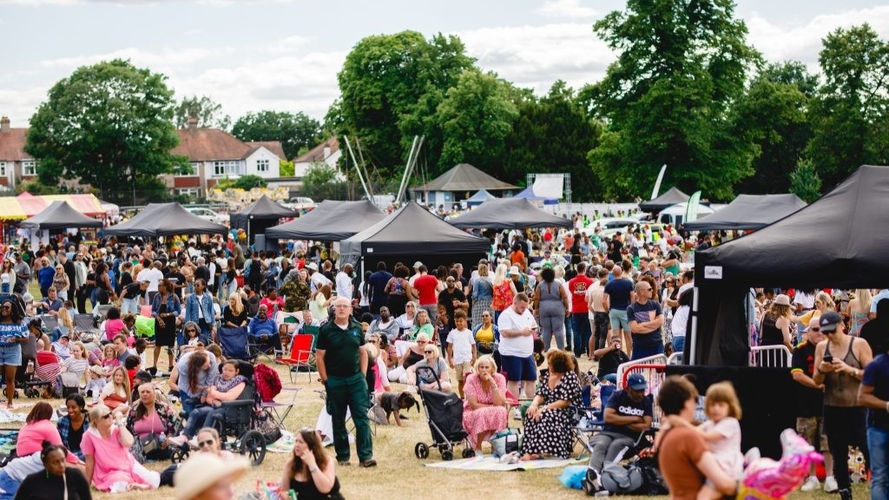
point(15, 164)
point(328, 152)
point(215, 154)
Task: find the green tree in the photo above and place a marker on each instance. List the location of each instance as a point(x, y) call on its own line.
point(249, 182)
point(772, 115)
point(390, 86)
point(476, 116)
point(295, 131)
point(208, 113)
point(553, 135)
point(321, 183)
point(849, 115)
point(666, 98)
point(109, 125)
point(285, 168)
point(805, 182)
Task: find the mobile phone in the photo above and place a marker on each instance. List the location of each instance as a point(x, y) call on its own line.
point(828, 357)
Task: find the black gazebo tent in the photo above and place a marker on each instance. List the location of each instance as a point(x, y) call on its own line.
point(412, 233)
point(835, 242)
point(748, 211)
point(671, 197)
point(165, 219)
point(329, 221)
point(508, 213)
point(259, 216)
point(59, 215)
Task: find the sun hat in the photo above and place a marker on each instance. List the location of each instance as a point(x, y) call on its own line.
point(782, 300)
point(202, 471)
point(313, 266)
point(514, 271)
point(417, 264)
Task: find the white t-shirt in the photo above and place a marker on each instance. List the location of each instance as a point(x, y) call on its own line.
point(152, 275)
point(516, 346)
point(317, 281)
point(343, 285)
point(805, 299)
point(462, 345)
point(680, 321)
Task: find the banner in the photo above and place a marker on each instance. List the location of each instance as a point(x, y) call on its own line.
point(691, 208)
point(657, 184)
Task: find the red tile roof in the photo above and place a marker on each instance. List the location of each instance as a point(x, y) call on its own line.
point(207, 144)
point(273, 146)
point(12, 145)
point(316, 154)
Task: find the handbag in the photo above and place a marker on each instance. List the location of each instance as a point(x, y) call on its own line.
point(506, 441)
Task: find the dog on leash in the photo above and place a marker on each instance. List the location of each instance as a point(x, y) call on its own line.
point(392, 403)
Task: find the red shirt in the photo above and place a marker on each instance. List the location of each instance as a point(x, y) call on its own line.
point(578, 286)
point(425, 286)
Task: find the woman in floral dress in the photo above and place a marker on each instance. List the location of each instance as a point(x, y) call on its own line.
point(485, 408)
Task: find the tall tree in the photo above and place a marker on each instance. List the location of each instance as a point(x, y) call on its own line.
point(666, 98)
point(476, 116)
point(850, 114)
point(296, 131)
point(390, 85)
point(205, 110)
point(553, 135)
point(772, 115)
point(104, 124)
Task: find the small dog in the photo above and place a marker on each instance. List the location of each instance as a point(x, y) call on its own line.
point(392, 403)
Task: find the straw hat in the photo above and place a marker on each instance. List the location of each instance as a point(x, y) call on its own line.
point(782, 300)
point(204, 470)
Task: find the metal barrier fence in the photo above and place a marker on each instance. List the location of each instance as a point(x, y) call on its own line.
point(657, 359)
point(655, 374)
point(771, 356)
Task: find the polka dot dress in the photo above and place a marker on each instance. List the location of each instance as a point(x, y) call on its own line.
point(551, 435)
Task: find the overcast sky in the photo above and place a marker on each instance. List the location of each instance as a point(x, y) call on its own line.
point(284, 54)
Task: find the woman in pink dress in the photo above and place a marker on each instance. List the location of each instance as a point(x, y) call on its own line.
point(485, 409)
point(106, 445)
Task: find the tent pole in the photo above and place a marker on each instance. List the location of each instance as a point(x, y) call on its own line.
point(407, 167)
point(693, 337)
point(355, 161)
point(410, 169)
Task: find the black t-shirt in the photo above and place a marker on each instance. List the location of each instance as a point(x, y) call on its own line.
point(876, 333)
point(808, 401)
point(876, 375)
point(618, 291)
point(133, 290)
point(623, 404)
point(38, 486)
point(447, 298)
point(178, 281)
point(609, 362)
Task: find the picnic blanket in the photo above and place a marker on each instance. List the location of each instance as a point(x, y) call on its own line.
point(282, 445)
point(492, 463)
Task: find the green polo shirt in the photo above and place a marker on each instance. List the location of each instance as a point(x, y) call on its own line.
point(341, 347)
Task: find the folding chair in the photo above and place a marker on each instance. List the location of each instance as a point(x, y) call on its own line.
point(50, 323)
point(301, 355)
point(101, 311)
point(85, 323)
point(233, 342)
point(280, 411)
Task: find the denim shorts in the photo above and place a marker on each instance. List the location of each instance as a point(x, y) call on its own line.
point(619, 319)
point(11, 355)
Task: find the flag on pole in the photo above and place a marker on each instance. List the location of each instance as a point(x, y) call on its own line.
point(657, 183)
point(691, 208)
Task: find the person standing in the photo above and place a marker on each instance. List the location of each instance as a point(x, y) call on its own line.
point(517, 330)
point(620, 295)
point(344, 286)
point(810, 403)
point(551, 306)
point(378, 281)
point(199, 308)
point(839, 361)
point(873, 394)
point(342, 365)
point(580, 316)
point(426, 286)
point(598, 312)
point(645, 318)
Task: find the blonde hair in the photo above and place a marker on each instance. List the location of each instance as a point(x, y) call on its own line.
point(483, 270)
point(82, 348)
point(434, 348)
point(486, 358)
point(500, 274)
point(724, 392)
point(65, 319)
point(422, 336)
point(865, 298)
point(825, 299)
point(97, 412)
point(559, 271)
point(125, 384)
point(238, 308)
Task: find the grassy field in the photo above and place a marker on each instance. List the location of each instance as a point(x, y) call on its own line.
point(399, 473)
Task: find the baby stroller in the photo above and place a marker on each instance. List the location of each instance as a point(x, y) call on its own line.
point(46, 371)
point(444, 412)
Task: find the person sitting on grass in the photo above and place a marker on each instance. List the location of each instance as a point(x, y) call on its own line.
point(308, 470)
point(548, 419)
point(425, 380)
point(106, 444)
point(485, 410)
point(56, 480)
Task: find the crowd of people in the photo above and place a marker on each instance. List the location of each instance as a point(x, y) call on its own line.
point(510, 328)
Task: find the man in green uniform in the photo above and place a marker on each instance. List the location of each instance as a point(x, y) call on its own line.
point(342, 364)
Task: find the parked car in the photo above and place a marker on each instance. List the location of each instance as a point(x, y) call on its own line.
point(210, 215)
point(302, 203)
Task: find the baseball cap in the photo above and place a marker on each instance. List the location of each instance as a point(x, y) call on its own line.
point(637, 382)
point(417, 264)
point(829, 321)
point(514, 270)
point(313, 266)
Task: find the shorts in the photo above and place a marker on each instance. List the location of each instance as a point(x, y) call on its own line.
point(809, 428)
point(462, 369)
point(619, 320)
point(519, 369)
point(11, 355)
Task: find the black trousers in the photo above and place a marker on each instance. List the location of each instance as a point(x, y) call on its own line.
point(845, 427)
point(600, 332)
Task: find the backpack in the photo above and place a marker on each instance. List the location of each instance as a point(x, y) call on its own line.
point(652, 481)
point(268, 383)
point(617, 479)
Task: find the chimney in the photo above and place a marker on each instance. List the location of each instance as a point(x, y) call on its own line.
point(192, 122)
point(4, 124)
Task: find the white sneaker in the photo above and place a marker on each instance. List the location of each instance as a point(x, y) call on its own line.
point(811, 484)
point(516, 414)
point(830, 485)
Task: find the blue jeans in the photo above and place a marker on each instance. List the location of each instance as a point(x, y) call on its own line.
point(679, 344)
point(8, 486)
point(128, 306)
point(644, 352)
point(196, 420)
point(878, 445)
point(580, 332)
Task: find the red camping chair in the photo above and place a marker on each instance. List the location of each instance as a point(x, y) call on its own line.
point(301, 355)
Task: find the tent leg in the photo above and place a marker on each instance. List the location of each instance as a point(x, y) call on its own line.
point(693, 334)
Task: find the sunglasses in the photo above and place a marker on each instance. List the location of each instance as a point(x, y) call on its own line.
point(815, 329)
point(107, 415)
point(208, 442)
point(429, 352)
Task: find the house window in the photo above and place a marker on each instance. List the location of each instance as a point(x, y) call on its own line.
point(262, 165)
point(218, 169)
point(2, 169)
point(187, 191)
point(233, 168)
point(29, 168)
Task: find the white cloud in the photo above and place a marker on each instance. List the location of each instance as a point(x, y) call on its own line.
point(802, 42)
point(168, 57)
point(536, 56)
point(130, 3)
point(289, 44)
point(20, 104)
point(566, 9)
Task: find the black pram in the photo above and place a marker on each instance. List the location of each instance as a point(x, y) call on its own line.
point(444, 413)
